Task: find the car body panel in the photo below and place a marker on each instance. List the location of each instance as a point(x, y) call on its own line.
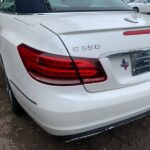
point(97, 35)
point(78, 22)
point(60, 111)
point(63, 110)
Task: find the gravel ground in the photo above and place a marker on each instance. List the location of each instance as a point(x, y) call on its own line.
point(21, 133)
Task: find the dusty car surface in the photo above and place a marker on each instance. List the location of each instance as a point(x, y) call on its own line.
point(76, 67)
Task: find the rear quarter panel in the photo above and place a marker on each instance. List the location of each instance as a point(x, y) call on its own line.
point(13, 33)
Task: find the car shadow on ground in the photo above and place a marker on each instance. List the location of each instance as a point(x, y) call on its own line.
point(20, 132)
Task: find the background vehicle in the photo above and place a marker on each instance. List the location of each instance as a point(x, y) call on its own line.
point(142, 6)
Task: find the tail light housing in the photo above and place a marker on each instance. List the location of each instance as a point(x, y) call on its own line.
point(60, 70)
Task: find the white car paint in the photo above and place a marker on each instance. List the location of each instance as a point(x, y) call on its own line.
point(67, 110)
point(142, 6)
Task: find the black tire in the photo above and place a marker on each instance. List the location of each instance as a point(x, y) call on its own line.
point(16, 108)
point(136, 9)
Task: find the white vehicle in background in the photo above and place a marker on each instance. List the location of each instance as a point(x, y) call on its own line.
point(142, 6)
point(128, 1)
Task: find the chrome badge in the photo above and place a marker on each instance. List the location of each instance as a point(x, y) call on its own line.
point(84, 48)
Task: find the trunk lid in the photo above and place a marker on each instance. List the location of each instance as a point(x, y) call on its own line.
point(100, 35)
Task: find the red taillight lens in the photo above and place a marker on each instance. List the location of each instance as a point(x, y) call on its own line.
point(60, 70)
point(90, 70)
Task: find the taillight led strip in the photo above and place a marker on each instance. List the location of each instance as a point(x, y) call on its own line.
point(136, 32)
point(60, 70)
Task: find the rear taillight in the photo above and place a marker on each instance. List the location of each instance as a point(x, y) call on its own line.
point(60, 70)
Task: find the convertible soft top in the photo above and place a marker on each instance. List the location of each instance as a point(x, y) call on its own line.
point(30, 6)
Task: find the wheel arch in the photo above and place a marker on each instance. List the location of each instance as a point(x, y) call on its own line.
point(136, 8)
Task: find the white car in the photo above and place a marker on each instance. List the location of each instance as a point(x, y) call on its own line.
point(76, 67)
point(142, 6)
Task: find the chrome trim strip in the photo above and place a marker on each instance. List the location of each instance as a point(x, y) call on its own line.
point(22, 92)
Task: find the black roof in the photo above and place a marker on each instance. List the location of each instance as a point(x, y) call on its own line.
point(30, 6)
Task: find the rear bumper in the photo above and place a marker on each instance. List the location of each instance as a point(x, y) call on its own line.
point(91, 133)
point(81, 114)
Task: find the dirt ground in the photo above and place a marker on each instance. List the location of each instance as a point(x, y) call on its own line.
point(21, 133)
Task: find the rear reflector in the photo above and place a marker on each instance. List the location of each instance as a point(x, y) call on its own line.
point(136, 32)
point(60, 70)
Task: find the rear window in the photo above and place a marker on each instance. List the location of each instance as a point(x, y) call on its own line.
point(86, 5)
